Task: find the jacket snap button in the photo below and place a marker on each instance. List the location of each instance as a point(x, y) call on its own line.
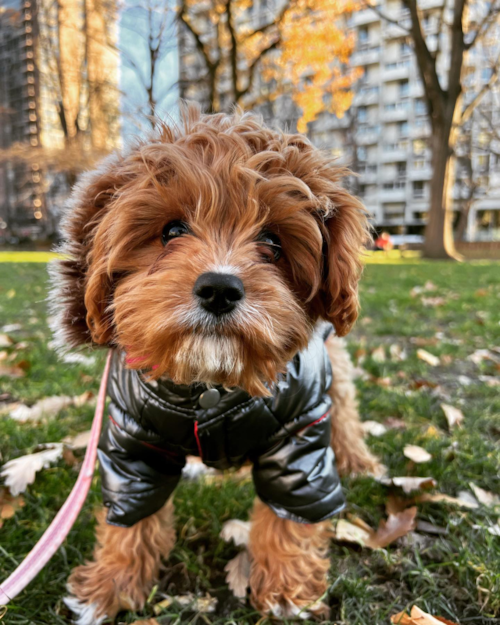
point(209, 398)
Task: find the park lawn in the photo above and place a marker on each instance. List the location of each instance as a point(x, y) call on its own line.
point(454, 574)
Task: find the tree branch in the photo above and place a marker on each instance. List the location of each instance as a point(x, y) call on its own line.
point(233, 54)
point(384, 17)
point(486, 23)
point(469, 109)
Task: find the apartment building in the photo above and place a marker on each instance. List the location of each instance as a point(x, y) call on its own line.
point(58, 88)
point(384, 136)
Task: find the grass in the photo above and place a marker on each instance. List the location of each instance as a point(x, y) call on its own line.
point(455, 574)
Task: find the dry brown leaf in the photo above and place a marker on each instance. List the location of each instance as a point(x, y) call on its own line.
point(433, 301)
point(20, 472)
point(463, 502)
point(348, 532)
point(374, 428)
point(396, 352)
point(149, 621)
point(419, 617)
point(482, 354)
point(5, 340)
point(422, 341)
point(393, 423)
point(80, 441)
point(9, 504)
point(427, 357)
point(236, 531)
point(396, 526)
point(69, 457)
point(409, 484)
point(384, 382)
point(395, 504)
point(453, 415)
point(378, 354)
point(238, 574)
point(484, 496)
point(11, 371)
point(416, 454)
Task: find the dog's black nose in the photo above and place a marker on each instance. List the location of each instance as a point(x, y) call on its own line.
point(219, 292)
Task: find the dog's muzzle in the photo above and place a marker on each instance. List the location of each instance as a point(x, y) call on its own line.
point(218, 293)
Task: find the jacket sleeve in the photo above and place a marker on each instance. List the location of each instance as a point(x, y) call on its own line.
point(137, 477)
point(297, 477)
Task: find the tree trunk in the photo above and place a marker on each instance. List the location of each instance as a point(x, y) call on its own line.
point(462, 221)
point(439, 242)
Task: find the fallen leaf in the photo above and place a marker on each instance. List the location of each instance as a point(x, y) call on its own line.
point(20, 472)
point(149, 621)
point(49, 407)
point(419, 617)
point(467, 502)
point(490, 380)
point(237, 531)
point(481, 293)
point(378, 354)
point(409, 484)
point(206, 604)
point(80, 441)
point(9, 504)
point(69, 457)
point(482, 354)
point(395, 504)
point(422, 341)
point(393, 423)
point(5, 340)
point(348, 532)
point(396, 526)
point(421, 383)
point(365, 321)
point(453, 415)
point(427, 357)
point(397, 353)
point(374, 428)
point(10, 294)
point(416, 454)
point(446, 359)
point(12, 327)
point(433, 301)
point(238, 574)
point(485, 497)
point(384, 382)
point(11, 371)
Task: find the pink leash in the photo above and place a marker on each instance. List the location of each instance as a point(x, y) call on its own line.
point(57, 531)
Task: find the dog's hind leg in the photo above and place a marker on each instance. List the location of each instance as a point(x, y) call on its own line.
point(289, 565)
point(351, 451)
point(126, 564)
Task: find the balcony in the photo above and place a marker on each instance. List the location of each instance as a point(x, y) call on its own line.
point(392, 195)
point(420, 131)
point(367, 136)
point(396, 71)
point(368, 56)
point(393, 31)
point(420, 173)
point(368, 177)
point(365, 97)
point(425, 5)
point(367, 16)
point(396, 114)
point(394, 155)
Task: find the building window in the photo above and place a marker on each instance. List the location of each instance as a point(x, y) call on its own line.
point(403, 129)
point(418, 189)
point(362, 114)
point(363, 35)
point(404, 88)
point(420, 107)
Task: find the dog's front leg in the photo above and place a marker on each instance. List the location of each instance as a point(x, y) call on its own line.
point(125, 566)
point(289, 565)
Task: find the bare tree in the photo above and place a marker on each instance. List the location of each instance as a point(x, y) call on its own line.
point(466, 24)
point(148, 37)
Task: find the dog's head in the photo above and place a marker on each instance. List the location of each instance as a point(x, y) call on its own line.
point(209, 252)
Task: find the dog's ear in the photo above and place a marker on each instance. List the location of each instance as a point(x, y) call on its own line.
point(346, 232)
point(81, 286)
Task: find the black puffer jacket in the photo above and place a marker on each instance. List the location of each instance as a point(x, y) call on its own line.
point(152, 427)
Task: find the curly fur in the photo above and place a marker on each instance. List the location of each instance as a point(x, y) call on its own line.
point(229, 178)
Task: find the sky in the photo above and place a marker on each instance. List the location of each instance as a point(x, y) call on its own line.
point(134, 30)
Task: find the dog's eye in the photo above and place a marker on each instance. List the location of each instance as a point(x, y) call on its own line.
point(270, 247)
point(173, 230)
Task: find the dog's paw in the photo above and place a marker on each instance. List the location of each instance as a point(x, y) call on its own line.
point(85, 613)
